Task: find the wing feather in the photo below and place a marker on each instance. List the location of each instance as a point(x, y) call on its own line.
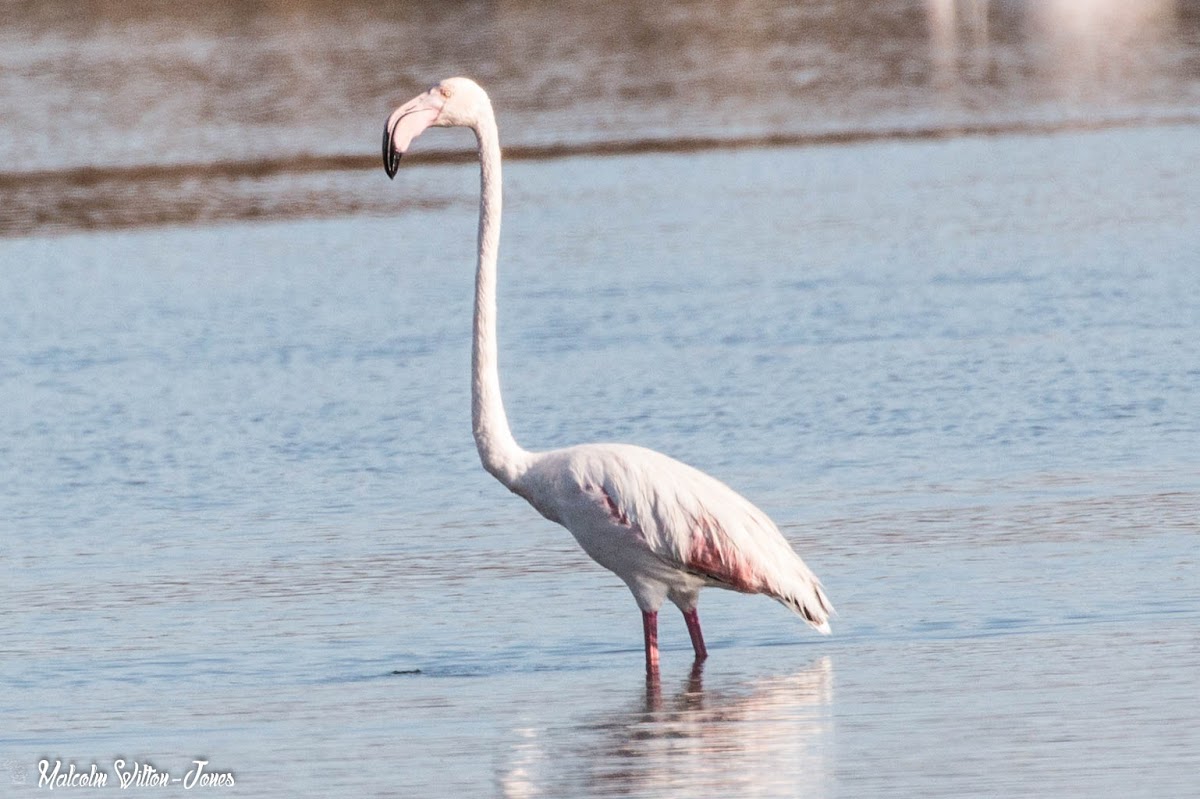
point(699, 525)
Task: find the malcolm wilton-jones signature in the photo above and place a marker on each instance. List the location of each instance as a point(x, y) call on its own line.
point(129, 775)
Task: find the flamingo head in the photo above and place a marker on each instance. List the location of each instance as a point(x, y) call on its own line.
point(453, 102)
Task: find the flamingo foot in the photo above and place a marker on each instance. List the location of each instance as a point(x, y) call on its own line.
point(650, 630)
point(693, 624)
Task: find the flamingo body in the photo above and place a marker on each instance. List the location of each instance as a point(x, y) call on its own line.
point(665, 528)
point(668, 529)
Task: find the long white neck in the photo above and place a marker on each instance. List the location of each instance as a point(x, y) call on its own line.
point(498, 450)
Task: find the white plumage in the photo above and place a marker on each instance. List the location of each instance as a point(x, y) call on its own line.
point(663, 527)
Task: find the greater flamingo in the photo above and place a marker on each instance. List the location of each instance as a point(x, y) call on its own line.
point(663, 527)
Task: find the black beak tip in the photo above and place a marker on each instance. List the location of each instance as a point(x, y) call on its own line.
point(391, 158)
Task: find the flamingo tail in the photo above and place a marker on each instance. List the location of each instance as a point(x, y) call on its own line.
point(814, 609)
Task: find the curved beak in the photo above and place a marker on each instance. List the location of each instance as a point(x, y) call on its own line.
point(405, 124)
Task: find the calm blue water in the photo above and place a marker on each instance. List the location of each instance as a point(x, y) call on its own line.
point(240, 488)
point(242, 519)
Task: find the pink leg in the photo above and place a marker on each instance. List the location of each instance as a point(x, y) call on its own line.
point(650, 629)
point(693, 624)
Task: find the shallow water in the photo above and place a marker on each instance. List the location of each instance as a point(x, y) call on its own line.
point(243, 521)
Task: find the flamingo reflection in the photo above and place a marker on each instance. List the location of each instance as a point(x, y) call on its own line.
point(767, 735)
point(1074, 48)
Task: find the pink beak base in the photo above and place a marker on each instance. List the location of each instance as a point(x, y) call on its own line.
point(405, 124)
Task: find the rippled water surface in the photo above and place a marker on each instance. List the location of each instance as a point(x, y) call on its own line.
point(242, 519)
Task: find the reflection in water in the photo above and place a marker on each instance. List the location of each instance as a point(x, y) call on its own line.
point(958, 42)
point(1070, 51)
point(768, 736)
point(1088, 46)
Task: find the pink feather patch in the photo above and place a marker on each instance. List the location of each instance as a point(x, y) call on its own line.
point(706, 557)
point(614, 510)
